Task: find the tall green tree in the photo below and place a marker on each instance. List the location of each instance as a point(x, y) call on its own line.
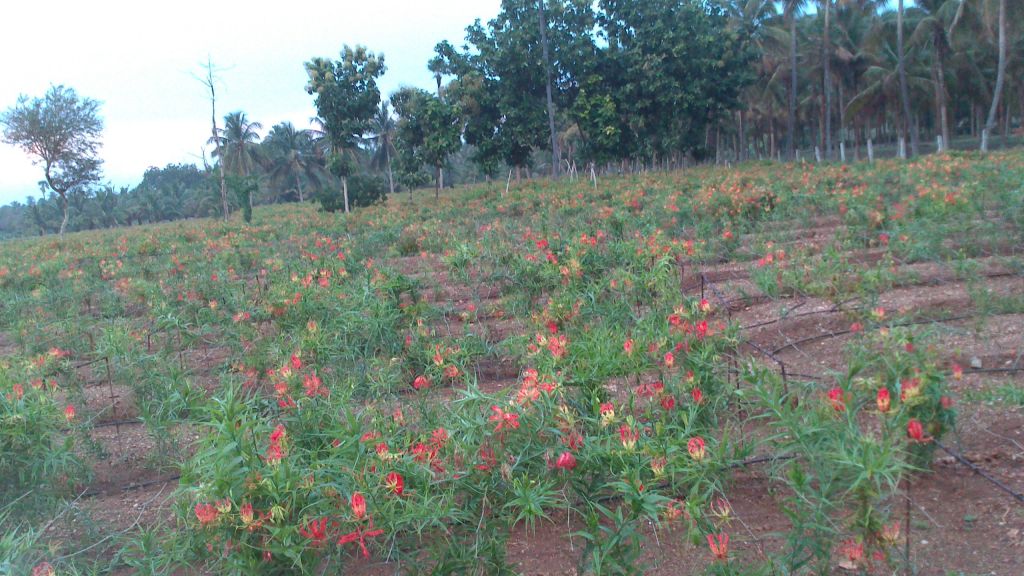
point(428, 130)
point(675, 68)
point(62, 132)
point(347, 98)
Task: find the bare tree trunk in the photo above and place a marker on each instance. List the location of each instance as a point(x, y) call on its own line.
point(791, 121)
point(344, 191)
point(904, 93)
point(64, 205)
point(298, 186)
point(391, 176)
point(990, 124)
point(827, 84)
point(209, 82)
point(555, 155)
point(842, 113)
point(743, 139)
point(940, 87)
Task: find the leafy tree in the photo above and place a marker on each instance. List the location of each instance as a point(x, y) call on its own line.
point(347, 97)
point(244, 187)
point(61, 132)
point(500, 86)
point(428, 130)
point(673, 68)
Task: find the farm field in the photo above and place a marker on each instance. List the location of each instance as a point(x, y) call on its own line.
point(769, 369)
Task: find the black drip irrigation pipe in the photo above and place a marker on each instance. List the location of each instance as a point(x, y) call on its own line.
point(772, 355)
point(981, 472)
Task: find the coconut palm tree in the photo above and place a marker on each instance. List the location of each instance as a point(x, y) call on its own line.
point(855, 23)
point(236, 145)
point(791, 10)
point(383, 128)
point(881, 87)
point(289, 158)
point(990, 124)
point(237, 141)
point(934, 31)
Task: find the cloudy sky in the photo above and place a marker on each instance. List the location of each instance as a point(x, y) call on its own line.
point(140, 60)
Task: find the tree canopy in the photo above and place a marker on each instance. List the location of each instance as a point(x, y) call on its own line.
point(61, 132)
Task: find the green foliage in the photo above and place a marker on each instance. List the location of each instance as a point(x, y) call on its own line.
point(486, 366)
point(364, 189)
point(243, 188)
point(38, 460)
point(346, 94)
point(428, 129)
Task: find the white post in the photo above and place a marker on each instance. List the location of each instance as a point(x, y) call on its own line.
point(871, 151)
point(939, 149)
point(817, 155)
point(842, 152)
point(903, 149)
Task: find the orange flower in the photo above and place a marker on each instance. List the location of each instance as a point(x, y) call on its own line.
point(315, 530)
point(658, 465)
point(69, 413)
point(503, 419)
point(358, 505)
point(883, 400)
point(719, 545)
point(246, 513)
point(628, 436)
point(421, 382)
point(206, 513)
point(696, 448)
point(890, 533)
point(958, 372)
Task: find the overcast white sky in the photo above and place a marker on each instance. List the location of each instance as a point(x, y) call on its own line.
point(139, 58)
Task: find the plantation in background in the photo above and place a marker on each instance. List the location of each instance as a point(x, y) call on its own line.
point(758, 370)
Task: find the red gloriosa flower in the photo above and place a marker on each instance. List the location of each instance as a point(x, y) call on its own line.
point(395, 483)
point(719, 545)
point(566, 461)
